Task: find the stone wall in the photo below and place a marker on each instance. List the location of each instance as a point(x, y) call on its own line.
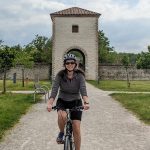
point(38, 72)
point(118, 72)
point(43, 72)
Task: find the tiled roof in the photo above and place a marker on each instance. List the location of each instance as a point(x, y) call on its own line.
point(74, 11)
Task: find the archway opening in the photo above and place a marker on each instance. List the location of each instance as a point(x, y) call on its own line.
point(80, 58)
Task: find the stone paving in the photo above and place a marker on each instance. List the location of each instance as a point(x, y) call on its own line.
point(106, 126)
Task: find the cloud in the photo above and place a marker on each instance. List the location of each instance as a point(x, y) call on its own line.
point(44, 4)
point(28, 11)
point(126, 23)
point(26, 34)
point(130, 35)
point(117, 9)
point(19, 17)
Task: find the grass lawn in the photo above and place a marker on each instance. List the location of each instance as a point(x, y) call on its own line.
point(113, 85)
point(12, 106)
point(139, 104)
point(10, 86)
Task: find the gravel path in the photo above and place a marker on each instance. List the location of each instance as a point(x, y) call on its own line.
point(106, 126)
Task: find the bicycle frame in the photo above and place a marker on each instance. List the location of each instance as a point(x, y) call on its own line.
point(68, 142)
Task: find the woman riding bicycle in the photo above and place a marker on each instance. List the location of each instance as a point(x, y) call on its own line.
point(71, 85)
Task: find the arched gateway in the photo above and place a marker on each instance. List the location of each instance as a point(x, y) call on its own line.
point(76, 30)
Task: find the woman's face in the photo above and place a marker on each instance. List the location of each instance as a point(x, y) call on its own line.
point(70, 65)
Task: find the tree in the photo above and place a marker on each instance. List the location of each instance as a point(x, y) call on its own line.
point(47, 55)
point(7, 57)
point(126, 63)
point(24, 59)
point(148, 48)
point(41, 49)
point(106, 52)
point(1, 41)
point(132, 58)
point(143, 61)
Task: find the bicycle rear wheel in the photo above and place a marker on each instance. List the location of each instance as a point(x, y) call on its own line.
point(68, 144)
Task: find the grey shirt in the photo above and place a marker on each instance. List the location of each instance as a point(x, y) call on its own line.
point(69, 90)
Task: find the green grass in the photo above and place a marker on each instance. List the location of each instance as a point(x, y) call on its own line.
point(12, 106)
point(139, 104)
point(10, 86)
point(113, 85)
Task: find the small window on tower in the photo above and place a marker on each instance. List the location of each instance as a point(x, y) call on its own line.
point(75, 29)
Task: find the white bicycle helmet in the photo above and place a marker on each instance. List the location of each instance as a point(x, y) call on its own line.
point(69, 57)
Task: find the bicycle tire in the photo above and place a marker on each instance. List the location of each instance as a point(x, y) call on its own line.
point(72, 146)
point(68, 143)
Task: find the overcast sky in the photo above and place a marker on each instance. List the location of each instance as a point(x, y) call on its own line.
point(126, 23)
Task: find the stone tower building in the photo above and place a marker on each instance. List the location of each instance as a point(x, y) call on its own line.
point(75, 29)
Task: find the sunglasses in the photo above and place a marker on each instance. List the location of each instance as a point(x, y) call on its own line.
point(72, 63)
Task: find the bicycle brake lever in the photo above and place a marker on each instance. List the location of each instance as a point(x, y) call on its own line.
point(54, 107)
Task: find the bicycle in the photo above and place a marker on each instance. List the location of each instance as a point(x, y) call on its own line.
point(68, 141)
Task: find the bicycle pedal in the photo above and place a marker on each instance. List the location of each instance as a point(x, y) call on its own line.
point(60, 142)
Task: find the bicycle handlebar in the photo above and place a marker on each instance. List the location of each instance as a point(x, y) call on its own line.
point(79, 108)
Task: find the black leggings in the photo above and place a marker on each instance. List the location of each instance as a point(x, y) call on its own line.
point(75, 115)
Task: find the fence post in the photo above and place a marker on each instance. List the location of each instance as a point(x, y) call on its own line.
point(14, 78)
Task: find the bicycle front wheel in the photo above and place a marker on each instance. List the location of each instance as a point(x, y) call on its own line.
point(68, 143)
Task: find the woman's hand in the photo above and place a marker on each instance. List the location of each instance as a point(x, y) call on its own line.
point(49, 107)
point(50, 104)
point(86, 106)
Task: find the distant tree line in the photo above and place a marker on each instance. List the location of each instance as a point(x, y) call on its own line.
point(39, 50)
point(108, 55)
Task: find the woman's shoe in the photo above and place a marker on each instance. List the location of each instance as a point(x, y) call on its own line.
point(60, 138)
